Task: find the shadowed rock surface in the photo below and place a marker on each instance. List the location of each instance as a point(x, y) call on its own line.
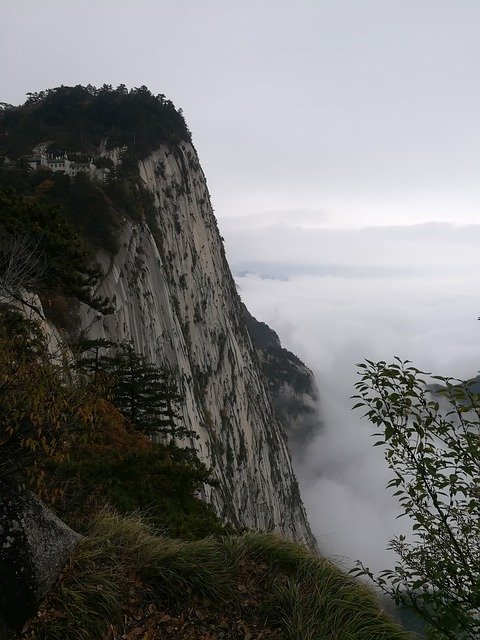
point(34, 545)
point(291, 384)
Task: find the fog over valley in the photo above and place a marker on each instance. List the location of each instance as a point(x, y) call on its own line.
point(336, 297)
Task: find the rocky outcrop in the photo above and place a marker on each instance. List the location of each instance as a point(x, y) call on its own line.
point(34, 545)
point(291, 384)
point(177, 301)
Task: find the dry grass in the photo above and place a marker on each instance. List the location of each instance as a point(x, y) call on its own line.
point(127, 582)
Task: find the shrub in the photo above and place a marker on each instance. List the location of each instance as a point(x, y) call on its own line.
point(432, 446)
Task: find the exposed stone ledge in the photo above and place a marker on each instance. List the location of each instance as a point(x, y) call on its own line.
point(34, 546)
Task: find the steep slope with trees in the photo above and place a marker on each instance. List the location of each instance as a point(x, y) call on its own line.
point(291, 384)
point(165, 271)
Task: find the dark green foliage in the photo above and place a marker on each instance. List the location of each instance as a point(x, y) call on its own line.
point(162, 481)
point(279, 365)
point(21, 334)
point(85, 204)
point(66, 265)
point(91, 357)
point(263, 337)
point(89, 207)
point(145, 394)
point(94, 208)
point(38, 405)
point(128, 194)
point(79, 118)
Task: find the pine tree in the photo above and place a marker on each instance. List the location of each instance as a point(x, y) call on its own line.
point(145, 393)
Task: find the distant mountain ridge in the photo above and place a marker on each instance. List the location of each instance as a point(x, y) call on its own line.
point(291, 384)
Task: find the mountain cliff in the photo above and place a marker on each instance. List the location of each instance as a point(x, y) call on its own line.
point(121, 330)
point(291, 384)
point(175, 299)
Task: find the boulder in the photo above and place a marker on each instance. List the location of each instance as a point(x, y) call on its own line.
point(34, 546)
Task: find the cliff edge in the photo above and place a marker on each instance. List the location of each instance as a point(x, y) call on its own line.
point(176, 300)
point(121, 166)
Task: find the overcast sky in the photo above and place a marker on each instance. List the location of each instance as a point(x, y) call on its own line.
point(341, 143)
point(362, 110)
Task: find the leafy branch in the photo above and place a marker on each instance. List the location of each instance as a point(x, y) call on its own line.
point(431, 440)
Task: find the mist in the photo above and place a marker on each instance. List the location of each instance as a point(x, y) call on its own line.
point(343, 296)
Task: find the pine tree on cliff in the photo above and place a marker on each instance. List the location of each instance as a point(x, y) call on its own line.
point(145, 393)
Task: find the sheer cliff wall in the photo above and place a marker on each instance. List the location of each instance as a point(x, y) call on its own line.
point(291, 384)
point(177, 301)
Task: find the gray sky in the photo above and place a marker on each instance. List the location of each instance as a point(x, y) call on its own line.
point(341, 143)
point(366, 110)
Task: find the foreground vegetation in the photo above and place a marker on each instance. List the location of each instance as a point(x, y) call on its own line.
point(431, 442)
point(176, 571)
point(126, 581)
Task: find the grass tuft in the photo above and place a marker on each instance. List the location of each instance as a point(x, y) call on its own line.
point(272, 587)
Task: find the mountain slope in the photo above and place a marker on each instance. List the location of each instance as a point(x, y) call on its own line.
point(176, 299)
point(291, 384)
point(149, 220)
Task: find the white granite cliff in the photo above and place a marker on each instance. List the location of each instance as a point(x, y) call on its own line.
point(177, 301)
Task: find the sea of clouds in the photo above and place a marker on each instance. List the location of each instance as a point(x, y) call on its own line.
point(335, 297)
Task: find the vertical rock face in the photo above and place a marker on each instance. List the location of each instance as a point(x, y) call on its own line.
point(291, 384)
point(177, 301)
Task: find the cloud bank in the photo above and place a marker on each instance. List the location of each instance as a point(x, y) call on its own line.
point(336, 297)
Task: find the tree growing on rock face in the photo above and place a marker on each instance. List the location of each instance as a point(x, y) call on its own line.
point(21, 265)
point(432, 445)
point(145, 393)
point(41, 251)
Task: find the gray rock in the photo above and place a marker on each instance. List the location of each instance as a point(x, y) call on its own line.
point(34, 545)
point(176, 301)
point(291, 384)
